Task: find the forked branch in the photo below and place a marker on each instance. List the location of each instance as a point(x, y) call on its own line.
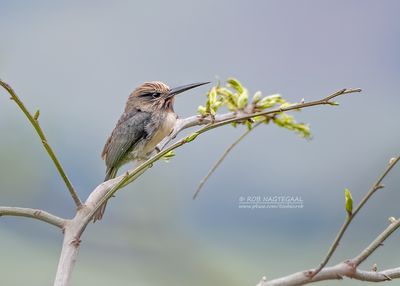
point(376, 186)
point(344, 269)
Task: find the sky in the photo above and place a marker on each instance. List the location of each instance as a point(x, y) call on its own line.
point(77, 61)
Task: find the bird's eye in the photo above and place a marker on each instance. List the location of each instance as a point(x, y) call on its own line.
point(156, 95)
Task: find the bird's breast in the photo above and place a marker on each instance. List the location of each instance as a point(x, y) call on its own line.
point(161, 130)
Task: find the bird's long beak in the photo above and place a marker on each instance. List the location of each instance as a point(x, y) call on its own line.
point(180, 89)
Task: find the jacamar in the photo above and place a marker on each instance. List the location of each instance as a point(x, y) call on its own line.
point(148, 118)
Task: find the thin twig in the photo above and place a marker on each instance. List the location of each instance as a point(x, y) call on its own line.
point(376, 186)
point(347, 268)
point(222, 158)
point(245, 116)
point(33, 213)
point(230, 117)
point(35, 123)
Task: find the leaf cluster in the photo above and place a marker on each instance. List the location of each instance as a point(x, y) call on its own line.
point(235, 97)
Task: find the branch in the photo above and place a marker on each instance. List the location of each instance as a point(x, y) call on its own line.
point(347, 268)
point(376, 186)
point(33, 213)
point(35, 123)
point(230, 117)
point(106, 190)
point(222, 158)
point(336, 272)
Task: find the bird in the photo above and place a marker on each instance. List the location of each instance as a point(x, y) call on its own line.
point(147, 119)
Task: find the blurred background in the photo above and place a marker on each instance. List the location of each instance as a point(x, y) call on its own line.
point(79, 60)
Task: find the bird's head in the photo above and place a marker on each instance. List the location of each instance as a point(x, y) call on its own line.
point(156, 95)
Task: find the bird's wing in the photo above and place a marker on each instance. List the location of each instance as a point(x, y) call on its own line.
point(128, 131)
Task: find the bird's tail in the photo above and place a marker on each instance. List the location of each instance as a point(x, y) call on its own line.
point(111, 173)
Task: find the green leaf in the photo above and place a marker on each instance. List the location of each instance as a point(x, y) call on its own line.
point(235, 84)
point(270, 101)
point(191, 137)
point(212, 96)
point(259, 118)
point(287, 121)
point(212, 111)
point(224, 92)
point(202, 110)
point(242, 99)
point(285, 104)
point(249, 124)
point(257, 97)
point(167, 157)
point(228, 97)
point(218, 103)
point(349, 202)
